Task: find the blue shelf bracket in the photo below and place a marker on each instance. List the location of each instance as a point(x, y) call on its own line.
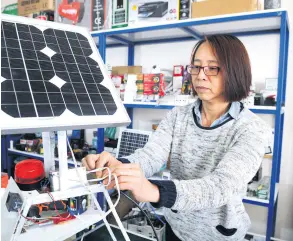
point(121, 40)
point(191, 32)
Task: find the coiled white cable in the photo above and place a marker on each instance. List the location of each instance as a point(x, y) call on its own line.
point(112, 207)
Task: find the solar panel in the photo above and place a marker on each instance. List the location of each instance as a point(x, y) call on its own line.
point(51, 72)
point(130, 140)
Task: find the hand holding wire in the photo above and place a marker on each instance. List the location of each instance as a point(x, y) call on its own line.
point(98, 161)
point(131, 177)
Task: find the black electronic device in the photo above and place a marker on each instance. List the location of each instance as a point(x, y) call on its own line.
point(153, 9)
point(102, 233)
point(184, 9)
point(77, 139)
point(13, 202)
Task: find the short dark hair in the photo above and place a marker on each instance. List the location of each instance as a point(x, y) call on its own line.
point(234, 63)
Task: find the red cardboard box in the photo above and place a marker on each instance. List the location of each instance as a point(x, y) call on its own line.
point(153, 84)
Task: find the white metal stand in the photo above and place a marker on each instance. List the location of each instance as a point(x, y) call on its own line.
point(49, 149)
point(50, 232)
point(62, 154)
point(13, 222)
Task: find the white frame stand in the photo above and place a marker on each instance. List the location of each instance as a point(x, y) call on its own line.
point(13, 223)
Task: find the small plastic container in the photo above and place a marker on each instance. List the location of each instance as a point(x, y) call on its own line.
point(4, 180)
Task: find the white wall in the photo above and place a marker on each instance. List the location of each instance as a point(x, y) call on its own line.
point(263, 51)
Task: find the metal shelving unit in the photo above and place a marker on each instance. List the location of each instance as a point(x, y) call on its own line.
point(245, 24)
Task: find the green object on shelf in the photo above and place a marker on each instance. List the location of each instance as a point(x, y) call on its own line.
point(110, 132)
point(10, 9)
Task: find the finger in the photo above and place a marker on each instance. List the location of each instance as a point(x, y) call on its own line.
point(125, 186)
point(84, 164)
point(127, 172)
point(111, 185)
point(126, 166)
point(90, 161)
point(101, 162)
point(122, 180)
point(128, 179)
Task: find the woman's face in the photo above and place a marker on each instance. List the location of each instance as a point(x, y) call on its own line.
point(208, 88)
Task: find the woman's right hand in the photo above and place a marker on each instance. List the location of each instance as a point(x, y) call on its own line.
point(94, 161)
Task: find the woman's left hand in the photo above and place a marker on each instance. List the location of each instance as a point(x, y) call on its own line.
point(130, 177)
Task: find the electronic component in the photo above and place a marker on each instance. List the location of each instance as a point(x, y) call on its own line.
point(120, 13)
point(13, 202)
point(36, 210)
point(77, 205)
point(153, 9)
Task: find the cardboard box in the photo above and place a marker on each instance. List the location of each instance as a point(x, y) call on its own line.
point(215, 7)
point(153, 84)
point(26, 7)
point(119, 13)
point(9, 7)
point(46, 16)
point(184, 9)
point(121, 70)
point(143, 12)
point(92, 14)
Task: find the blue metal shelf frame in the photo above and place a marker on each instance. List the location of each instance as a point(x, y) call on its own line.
point(252, 202)
point(281, 95)
point(279, 122)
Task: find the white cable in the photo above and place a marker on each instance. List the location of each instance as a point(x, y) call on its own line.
point(92, 194)
point(112, 207)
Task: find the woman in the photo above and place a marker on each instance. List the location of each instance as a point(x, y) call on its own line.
point(216, 146)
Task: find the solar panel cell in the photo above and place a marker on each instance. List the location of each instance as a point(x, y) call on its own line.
point(45, 70)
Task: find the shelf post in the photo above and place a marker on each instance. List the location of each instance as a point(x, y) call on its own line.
point(100, 131)
point(49, 150)
point(130, 54)
point(278, 126)
point(62, 155)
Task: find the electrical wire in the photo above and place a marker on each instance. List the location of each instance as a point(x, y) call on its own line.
point(145, 214)
point(56, 210)
point(112, 207)
point(157, 216)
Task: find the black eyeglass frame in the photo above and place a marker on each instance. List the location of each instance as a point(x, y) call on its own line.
point(204, 68)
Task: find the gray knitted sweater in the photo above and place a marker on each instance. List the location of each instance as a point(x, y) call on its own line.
point(210, 169)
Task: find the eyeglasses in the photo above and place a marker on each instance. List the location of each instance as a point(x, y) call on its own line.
point(208, 70)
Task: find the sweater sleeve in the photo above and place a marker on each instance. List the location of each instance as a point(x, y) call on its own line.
point(156, 151)
point(238, 166)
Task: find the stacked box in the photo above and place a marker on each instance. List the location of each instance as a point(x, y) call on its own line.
point(47, 16)
point(139, 85)
point(26, 7)
point(92, 14)
point(184, 9)
point(120, 13)
point(9, 7)
point(153, 84)
point(143, 12)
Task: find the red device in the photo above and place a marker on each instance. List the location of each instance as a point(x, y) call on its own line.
point(73, 11)
point(28, 174)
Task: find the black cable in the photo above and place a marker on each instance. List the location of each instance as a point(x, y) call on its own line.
point(136, 204)
point(132, 217)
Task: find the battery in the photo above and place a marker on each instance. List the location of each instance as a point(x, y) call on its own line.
point(54, 181)
point(77, 205)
